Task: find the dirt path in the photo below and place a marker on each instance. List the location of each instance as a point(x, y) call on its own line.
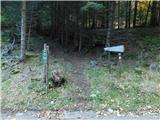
point(80, 81)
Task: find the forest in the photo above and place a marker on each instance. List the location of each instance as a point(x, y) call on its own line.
point(66, 56)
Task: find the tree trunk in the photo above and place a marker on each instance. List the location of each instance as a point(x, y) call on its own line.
point(107, 14)
point(146, 18)
point(86, 17)
point(135, 13)
point(126, 18)
point(23, 31)
point(62, 23)
point(154, 15)
point(76, 26)
point(129, 14)
point(29, 31)
point(110, 23)
point(55, 14)
point(89, 19)
point(118, 14)
point(38, 19)
point(52, 20)
point(110, 27)
point(80, 29)
point(159, 14)
point(93, 19)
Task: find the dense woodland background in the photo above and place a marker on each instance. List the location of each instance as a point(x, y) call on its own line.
point(75, 24)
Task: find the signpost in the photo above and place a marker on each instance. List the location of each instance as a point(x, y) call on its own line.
point(118, 49)
point(45, 60)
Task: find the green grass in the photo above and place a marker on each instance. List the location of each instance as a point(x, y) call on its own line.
point(129, 89)
point(125, 91)
point(19, 94)
point(152, 41)
point(33, 96)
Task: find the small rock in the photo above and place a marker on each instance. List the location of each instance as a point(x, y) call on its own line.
point(149, 107)
point(154, 66)
point(118, 114)
point(110, 110)
point(3, 63)
point(15, 71)
point(55, 61)
point(93, 95)
point(36, 79)
point(93, 62)
point(19, 114)
point(52, 102)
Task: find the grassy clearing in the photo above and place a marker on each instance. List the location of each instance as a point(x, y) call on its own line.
point(132, 88)
point(25, 89)
point(128, 92)
point(33, 95)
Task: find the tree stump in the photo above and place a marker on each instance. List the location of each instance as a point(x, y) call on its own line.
point(57, 79)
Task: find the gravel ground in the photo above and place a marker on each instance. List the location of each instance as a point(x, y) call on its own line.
point(65, 115)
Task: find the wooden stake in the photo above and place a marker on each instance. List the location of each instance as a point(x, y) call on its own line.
point(47, 67)
point(45, 45)
point(45, 61)
point(120, 62)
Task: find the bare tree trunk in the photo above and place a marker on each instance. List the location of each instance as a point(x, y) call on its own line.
point(52, 20)
point(110, 27)
point(129, 13)
point(135, 13)
point(118, 14)
point(77, 26)
point(126, 17)
point(80, 43)
point(86, 17)
point(107, 14)
point(55, 13)
point(146, 18)
point(89, 19)
point(29, 31)
point(23, 31)
point(62, 23)
point(80, 29)
point(110, 23)
point(154, 15)
point(93, 19)
point(159, 14)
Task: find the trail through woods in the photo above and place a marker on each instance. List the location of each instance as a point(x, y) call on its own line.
point(80, 81)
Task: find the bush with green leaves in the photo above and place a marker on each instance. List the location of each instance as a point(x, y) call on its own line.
point(93, 6)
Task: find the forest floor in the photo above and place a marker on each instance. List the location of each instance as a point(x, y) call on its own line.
point(130, 90)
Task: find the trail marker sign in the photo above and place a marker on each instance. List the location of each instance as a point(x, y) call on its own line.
point(119, 49)
point(44, 56)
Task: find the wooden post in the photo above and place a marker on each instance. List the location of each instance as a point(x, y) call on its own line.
point(120, 62)
point(47, 66)
point(45, 57)
point(44, 63)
